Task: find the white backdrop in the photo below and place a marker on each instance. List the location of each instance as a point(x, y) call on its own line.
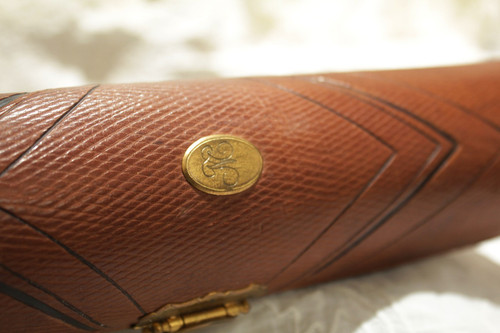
point(55, 43)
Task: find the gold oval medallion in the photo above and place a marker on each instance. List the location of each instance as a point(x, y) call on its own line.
point(222, 164)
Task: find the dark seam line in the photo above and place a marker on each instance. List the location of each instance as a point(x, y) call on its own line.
point(47, 131)
point(267, 83)
point(396, 107)
point(41, 306)
point(452, 200)
point(8, 100)
point(434, 96)
point(396, 209)
point(417, 189)
point(48, 292)
point(73, 253)
point(364, 100)
point(77, 256)
point(340, 214)
point(393, 150)
point(429, 159)
point(466, 110)
point(344, 117)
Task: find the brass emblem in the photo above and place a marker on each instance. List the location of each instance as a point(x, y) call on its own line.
point(222, 164)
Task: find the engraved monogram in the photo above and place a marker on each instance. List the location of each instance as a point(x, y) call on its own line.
point(222, 164)
point(216, 160)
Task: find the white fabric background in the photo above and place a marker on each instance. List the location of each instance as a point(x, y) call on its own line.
point(54, 43)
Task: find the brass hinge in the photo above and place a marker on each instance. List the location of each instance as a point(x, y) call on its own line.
point(199, 311)
point(176, 323)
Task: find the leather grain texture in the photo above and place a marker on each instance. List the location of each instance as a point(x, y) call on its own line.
point(362, 171)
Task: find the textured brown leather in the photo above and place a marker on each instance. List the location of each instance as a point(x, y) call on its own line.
point(361, 171)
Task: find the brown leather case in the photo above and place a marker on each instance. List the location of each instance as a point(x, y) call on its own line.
point(362, 171)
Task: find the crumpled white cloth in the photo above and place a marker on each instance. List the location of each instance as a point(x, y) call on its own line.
point(55, 43)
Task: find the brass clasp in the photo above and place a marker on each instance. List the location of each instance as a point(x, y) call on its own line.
point(176, 323)
point(199, 311)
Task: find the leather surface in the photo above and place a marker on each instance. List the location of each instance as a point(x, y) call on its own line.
point(361, 171)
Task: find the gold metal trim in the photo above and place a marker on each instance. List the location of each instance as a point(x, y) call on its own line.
point(222, 164)
point(199, 311)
